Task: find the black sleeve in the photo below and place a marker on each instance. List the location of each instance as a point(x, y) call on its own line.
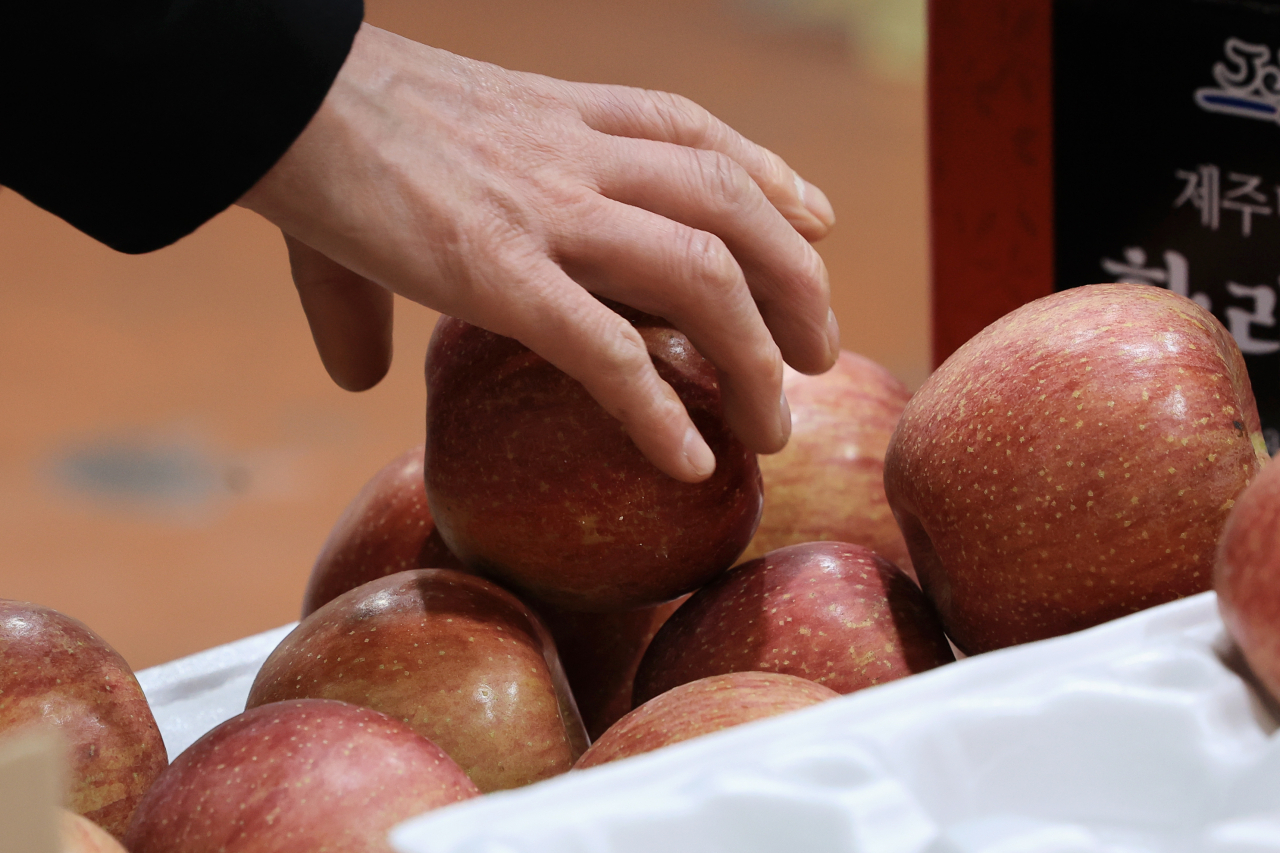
point(138, 120)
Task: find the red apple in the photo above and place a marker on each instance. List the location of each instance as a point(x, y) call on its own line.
point(81, 835)
point(834, 613)
point(296, 777)
point(1074, 462)
point(459, 659)
point(58, 672)
point(827, 484)
point(601, 653)
point(1247, 576)
point(702, 707)
point(387, 528)
point(533, 482)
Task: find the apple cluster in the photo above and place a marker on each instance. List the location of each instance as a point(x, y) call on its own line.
point(524, 595)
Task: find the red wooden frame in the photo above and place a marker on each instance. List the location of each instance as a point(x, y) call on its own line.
point(991, 162)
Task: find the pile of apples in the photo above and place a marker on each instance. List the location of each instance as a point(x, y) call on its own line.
point(525, 595)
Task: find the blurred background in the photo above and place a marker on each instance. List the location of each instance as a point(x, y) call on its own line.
point(172, 453)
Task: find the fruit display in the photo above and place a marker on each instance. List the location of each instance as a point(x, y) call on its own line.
point(703, 707)
point(827, 484)
point(456, 657)
point(388, 528)
point(835, 613)
point(59, 673)
point(532, 482)
point(1247, 577)
point(1072, 463)
point(526, 581)
point(296, 777)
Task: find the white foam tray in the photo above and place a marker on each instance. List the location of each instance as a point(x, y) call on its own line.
point(1138, 735)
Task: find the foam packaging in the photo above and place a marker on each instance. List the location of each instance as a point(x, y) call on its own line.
point(1143, 734)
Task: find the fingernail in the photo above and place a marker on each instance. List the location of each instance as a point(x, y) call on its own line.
point(698, 455)
point(815, 201)
point(784, 417)
point(833, 334)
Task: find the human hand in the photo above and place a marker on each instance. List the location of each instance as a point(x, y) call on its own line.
point(508, 199)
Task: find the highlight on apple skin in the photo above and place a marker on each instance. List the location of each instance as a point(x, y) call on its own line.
point(58, 672)
point(296, 777)
point(703, 707)
point(532, 482)
point(1073, 462)
point(459, 659)
point(835, 613)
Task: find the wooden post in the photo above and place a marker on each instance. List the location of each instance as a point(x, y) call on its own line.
point(991, 162)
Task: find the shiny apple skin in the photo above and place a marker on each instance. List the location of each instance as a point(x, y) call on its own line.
point(532, 482)
point(827, 484)
point(1247, 577)
point(81, 835)
point(1073, 462)
point(459, 659)
point(703, 707)
point(387, 528)
point(59, 672)
point(296, 777)
point(835, 613)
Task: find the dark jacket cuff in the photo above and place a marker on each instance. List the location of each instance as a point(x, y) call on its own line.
point(137, 122)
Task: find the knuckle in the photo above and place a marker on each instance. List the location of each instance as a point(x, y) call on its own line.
point(683, 118)
point(624, 357)
point(814, 270)
point(803, 283)
point(771, 365)
point(762, 360)
point(709, 261)
point(620, 374)
point(778, 173)
point(723, 177)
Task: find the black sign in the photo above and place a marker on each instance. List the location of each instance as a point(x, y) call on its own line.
point(1167, 160)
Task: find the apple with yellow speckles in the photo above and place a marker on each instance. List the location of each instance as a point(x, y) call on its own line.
point(827, 484)
point(703, 707)
point(835, 613)
point(387, 528)
point(532, 482)
point(296, 777)
point(57, 672)
point(1073, 462)
point(461, 660)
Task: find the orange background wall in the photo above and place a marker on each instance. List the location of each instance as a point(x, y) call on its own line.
point(172, 454)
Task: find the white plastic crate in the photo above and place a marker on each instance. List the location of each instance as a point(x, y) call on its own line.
point(1137, 735)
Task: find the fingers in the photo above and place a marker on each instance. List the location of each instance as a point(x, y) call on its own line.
point(690, 278)
point(709, 192)
point(664, 117)
point(584, 338)
point(350, 317)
